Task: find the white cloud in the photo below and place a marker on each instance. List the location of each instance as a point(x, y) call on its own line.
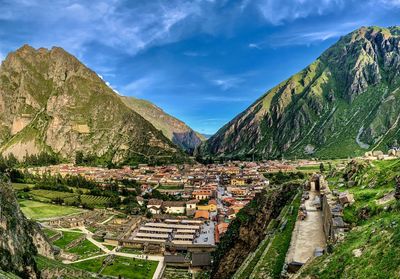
point(254, 45)
point(226, 83)
point(194, 54)
point(138, 86)
point(278, 12)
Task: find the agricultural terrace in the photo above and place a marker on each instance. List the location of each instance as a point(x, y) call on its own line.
point(39, 210)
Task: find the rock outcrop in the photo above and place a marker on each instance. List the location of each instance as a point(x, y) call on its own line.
point(20, 238)
point(344, 103)
point(50, 102)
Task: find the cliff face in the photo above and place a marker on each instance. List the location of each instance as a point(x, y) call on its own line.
point(50, 102)
point(248, 230)
point(344, 103)
point(174, 129)
point(20, 239)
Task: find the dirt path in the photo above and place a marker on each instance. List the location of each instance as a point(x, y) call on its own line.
point(307, 234)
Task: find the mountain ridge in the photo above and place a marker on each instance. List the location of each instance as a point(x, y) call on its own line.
point(53, 103)
point(338, 105)
point(174, 129)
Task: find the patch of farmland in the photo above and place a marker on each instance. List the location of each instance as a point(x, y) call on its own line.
point(48, 195)
point(94, 200)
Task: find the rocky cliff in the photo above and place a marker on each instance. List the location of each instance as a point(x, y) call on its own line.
point(249, 229)
point(50, 102)
point(174, 129)
point(20, 238)
point(343, 104)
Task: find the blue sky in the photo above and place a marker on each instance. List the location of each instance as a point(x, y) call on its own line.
point(201, 61)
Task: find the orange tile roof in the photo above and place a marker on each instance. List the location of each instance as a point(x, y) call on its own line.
point(201, 214)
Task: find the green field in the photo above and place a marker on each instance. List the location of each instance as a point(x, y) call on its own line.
point(126, 267)
point(95, 201)
point(131, 250)
point(131, 268)
point(92, 265)
point(85, 249)
point(21, 186)
point(39, 210)
point(66, 239)
point(48, 196)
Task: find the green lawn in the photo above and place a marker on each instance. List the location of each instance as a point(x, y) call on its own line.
point(66, 239)
point(126, 267)
point(39, 210)
point(21, 186)
point(131, 268)
point(92, 265)
point(85, 249)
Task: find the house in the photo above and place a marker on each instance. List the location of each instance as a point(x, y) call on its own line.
point(202, 214)
point(154, 205)
point(202, 194)
point(140, 200)
point(231, 214)
point(174, 207)
point(211, 206)
point(238, 181)
point(190, 205)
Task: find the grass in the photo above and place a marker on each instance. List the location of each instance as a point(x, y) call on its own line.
point(85, 249)
point(131, 268)
point(39, 210)
point(92, 265)
point(21, 186)
point(126, 267)
point(375, 232)
point(48, 195)
point(67, 238)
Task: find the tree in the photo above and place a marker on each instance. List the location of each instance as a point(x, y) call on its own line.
point(321, 167)
point(79, 158)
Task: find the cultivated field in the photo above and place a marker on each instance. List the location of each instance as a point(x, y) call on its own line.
point(39, 210)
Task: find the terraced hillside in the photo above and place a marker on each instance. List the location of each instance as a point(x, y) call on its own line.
point(50, 102)
point(343, 104)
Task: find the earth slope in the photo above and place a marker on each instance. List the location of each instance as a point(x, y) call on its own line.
point(174, 129)
point(343, 104)
point(50, 102)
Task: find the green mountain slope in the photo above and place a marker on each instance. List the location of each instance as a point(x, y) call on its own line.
point(50, 102)
point(343, 104)
point(174, 129)
point(371, 249)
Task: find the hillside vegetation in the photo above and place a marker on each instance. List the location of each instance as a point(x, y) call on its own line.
point(371, 249)
point(343, 104)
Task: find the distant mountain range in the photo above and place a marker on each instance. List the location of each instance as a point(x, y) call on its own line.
point(50, 102)
point(343, 104)
point(174, 129)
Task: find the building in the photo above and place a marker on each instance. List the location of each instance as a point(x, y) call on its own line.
point(202, 214)
point(174, 207)
point(202, 194)
point(154, 205)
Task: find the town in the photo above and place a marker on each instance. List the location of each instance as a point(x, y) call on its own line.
point(184, 210)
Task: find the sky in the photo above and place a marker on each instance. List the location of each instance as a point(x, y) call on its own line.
point(202, 61)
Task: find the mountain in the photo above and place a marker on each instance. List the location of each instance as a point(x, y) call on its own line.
point(50, 102)
point(20, 239)
point(343, 104)
point(174, 129)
